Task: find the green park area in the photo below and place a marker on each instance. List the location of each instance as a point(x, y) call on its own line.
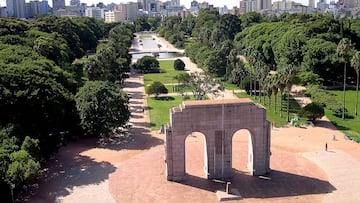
point(145, 36)
point(274, 116)
point(159, 109)
point(349, 125)
point(166, 75)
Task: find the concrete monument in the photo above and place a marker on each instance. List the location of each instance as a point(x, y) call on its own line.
point(218, 120)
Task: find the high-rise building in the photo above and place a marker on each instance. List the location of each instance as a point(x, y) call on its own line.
point(263, 5)
point(247, 6)
point(114, 16)
point(131, 12)
point(44, 7)
point(143, 4)
point(58, 4)
point(74, 2)
point(95, 12)
point(16, 8)
point(312, 3)
point(349, 3)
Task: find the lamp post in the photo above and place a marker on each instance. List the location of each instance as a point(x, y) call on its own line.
point(222, 137)
point(12, 187)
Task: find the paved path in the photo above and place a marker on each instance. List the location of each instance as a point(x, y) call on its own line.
point(342, 171)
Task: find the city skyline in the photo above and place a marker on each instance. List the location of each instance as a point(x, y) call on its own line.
point(186, 3)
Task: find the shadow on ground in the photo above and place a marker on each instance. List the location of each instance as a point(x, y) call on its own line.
point(68, 170)
point(275, 184)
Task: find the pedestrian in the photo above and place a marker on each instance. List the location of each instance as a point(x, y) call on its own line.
point(326, 147)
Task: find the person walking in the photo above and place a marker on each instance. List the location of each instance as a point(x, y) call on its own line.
point(326, 146)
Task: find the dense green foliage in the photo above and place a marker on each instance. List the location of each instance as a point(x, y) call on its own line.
point(147, 64)
point(314, 111)
point(200, 84)
point(179, 64)
point(111, 60)
point(156, 88)
point(102, 107)
point(38, 82)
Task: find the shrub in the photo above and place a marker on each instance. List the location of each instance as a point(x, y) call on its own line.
point(179, 64)
point(148, 64)
point(157, 88)
point(314, 111)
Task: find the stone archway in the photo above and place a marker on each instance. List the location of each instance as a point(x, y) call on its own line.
point(218, 120)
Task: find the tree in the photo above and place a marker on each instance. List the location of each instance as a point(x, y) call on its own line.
point(179, 64)
point(102, 107)
point(229, 25)
point(314, 111)
point(274, 83)
point(355, 63)
point(200, 84)
point(148, 64)
point(157, 88)
point(22, 168)
point(343, 50)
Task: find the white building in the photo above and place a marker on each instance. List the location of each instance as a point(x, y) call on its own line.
point(95, 12)
point(114, 16)
point(247, 6)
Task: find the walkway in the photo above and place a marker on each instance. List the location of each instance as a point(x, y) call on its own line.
point(342, 171)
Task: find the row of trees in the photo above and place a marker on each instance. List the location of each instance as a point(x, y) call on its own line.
point(40, 102)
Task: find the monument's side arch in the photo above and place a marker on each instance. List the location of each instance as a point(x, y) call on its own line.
point(218, 120)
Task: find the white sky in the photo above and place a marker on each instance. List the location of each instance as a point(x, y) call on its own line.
point(186, 3)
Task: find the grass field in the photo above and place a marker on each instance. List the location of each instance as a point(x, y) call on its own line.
point(145, 36)
point(274, 117)
point(166, 75)
point(159, 110)
point(351, 124)
point(230, 86)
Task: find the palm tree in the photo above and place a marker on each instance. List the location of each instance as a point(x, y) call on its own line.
point(355, 63)
point(274, 80)
point(268, 88)
point(281, 84)
point(343, 50)
point(288, 72)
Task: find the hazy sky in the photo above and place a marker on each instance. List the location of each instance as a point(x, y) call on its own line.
point(186, 3)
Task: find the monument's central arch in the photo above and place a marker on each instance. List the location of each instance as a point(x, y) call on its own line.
point(218, 120)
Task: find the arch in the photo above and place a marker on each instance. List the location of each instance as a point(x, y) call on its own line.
point(218, 121)
point(196, 154)
point(242, 134)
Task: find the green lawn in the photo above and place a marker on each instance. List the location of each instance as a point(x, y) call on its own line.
point(271, 116)
point(145, 36)
point(166, 75)
point(159, 110)
point(230, 86)
point(351, 124)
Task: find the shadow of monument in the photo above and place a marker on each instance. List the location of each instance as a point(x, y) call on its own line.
point(202, 183)
point(278, 184)
point(274, 184)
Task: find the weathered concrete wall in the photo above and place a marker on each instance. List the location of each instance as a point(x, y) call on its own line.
point(218, 120)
